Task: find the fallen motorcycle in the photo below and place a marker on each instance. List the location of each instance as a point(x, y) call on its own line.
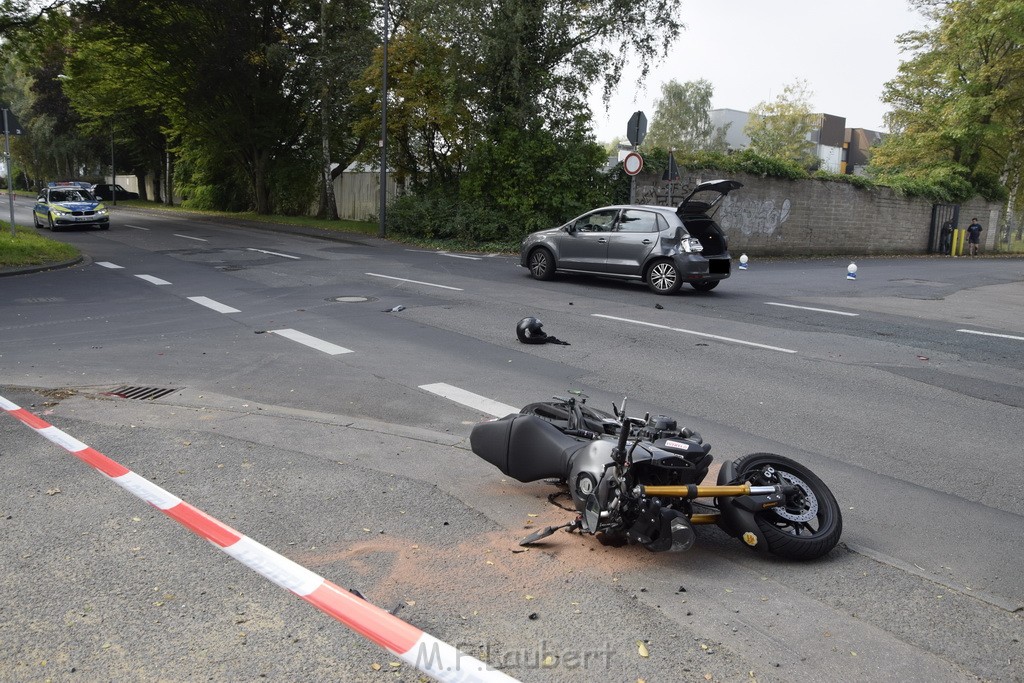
point(639, 481)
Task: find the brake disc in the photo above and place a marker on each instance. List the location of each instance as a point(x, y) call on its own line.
point(809, 505)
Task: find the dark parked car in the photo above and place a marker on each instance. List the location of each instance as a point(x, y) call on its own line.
point(106, 192)
point(661, 245)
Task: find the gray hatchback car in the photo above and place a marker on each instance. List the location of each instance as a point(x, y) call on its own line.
point(661, 245)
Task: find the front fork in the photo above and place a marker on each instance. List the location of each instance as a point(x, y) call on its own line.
point(737, 504)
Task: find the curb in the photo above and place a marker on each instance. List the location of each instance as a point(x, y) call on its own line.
point(25, 270)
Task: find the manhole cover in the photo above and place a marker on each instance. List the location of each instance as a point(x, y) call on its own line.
point(140, 393)
point(352, 299)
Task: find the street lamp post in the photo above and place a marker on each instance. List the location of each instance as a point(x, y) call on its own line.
point(383, 232)
point(113, 169)
point(7, 164)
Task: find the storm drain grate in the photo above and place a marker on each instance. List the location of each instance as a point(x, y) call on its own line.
point(141, 393)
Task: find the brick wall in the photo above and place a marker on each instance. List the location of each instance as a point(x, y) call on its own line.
point(773, 216)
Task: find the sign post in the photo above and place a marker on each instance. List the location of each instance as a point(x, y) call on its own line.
point(636, 131)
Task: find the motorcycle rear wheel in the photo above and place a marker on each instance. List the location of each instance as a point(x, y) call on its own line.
point(809, 524)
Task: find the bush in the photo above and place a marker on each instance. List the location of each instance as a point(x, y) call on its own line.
point(440, 215)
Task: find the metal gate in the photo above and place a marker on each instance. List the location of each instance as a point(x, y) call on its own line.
point(944, 221)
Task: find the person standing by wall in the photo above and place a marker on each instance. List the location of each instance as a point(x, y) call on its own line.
point(974, 236)
point(946, 238)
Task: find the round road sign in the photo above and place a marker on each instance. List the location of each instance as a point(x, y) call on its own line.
point(633, 163)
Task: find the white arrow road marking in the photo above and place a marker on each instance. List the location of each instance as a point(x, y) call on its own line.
point(469, 399)
point(415, 282)
point(154, 280)
point(312, 342)
point(108, 264)
point(215, 305)
point(274, 253)
point(697, 334)
point(808, 308)
point(992, 334)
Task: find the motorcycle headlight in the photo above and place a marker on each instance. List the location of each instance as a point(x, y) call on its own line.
point(692, 245)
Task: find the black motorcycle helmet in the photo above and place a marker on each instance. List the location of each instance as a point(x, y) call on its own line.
point(529, 331)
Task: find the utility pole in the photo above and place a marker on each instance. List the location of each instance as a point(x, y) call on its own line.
point(383, 232)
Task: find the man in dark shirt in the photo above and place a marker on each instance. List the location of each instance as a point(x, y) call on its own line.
point(974, 236)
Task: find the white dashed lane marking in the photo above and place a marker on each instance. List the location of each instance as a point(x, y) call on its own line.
point(274, 253)
point(136, 227)
point(993, 334)
point(189, 237)
point(415, 282)
point(312, 342)
point(108, 264)
point(215, 305)
point(705, 335)
point(151, 278)
point(469, 399)
point(808, 308)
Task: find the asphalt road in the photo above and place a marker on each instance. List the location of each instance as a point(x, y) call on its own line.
point(902, 389)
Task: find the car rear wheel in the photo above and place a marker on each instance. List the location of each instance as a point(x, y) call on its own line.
point(35, 220)
point(663, 277)
point(541, 264)
point(705, 286)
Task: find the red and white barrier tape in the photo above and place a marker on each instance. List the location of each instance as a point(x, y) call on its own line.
point(413, 646)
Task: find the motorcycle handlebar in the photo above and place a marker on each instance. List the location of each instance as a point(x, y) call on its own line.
point(624, 431)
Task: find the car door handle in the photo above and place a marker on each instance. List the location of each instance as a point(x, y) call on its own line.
point(646, 242)
point(602, 240)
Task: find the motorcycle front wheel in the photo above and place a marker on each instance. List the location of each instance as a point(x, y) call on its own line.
point(809, 524)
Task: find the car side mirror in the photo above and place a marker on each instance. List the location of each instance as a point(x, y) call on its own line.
point(570, 228)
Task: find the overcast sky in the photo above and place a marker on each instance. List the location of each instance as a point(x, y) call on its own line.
point(749, 49)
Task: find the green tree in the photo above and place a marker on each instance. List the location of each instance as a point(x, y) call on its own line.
point(682, 119)
point(957, 102)
point(490, 99)
point(231, 77)
point(780, 128)
point(34, 53)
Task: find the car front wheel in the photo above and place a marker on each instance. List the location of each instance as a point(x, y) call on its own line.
point(663, 278)
point(49, 219)
point(541, 264)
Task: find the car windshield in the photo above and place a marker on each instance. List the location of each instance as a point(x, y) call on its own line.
point(70, 196)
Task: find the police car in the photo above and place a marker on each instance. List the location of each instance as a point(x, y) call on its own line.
point(69, 204)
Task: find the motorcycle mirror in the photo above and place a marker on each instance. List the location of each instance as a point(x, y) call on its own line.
point(619, 411)
point(592, 514)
